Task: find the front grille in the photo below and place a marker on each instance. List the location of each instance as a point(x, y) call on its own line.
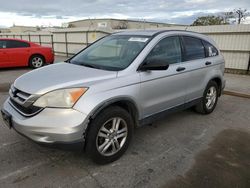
point(27, 111)
point(22, 102)
point(18, 95)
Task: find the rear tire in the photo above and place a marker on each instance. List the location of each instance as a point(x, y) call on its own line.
point(36, 61)
point(209, 99)
point(109, 135)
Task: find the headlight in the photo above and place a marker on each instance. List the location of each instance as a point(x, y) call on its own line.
point(63, 98)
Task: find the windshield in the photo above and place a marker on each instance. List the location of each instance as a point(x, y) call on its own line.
point(115, 52)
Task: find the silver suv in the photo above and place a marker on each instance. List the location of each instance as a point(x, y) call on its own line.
point(120, 82)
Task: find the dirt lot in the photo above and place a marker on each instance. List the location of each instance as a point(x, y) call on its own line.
point(184, 150)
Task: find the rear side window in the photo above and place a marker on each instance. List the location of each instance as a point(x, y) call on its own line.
point(193, 48)
point(210, 49)
point(168, 50)
point(17, 44)
point(2, 44)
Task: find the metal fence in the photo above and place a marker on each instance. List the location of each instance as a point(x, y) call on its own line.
point(233, 41)
point(65, 42)
point(69, 41)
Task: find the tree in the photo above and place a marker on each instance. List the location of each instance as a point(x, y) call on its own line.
point(121, 25)
point(209, 20)
point(241, 14)
point(70, 25)
point(227, 16)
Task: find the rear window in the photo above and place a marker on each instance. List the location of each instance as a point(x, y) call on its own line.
point(193, 48)
point(17, 44)
point(210, 49)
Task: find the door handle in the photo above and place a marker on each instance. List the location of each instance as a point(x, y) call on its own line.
point(179, 69)
point(208, 63)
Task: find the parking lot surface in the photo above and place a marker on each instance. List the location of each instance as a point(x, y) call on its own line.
point(157, 155)
point(238, 83)
point(166, 154)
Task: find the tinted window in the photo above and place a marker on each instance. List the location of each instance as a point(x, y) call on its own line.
point(16, 44)
point(2, 44)
point(168, 50)
point(194, 48)
point(210, 49)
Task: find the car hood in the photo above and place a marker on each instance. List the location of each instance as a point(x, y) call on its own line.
point(60, 75)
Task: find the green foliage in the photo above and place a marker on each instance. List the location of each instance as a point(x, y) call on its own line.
point(209, 20)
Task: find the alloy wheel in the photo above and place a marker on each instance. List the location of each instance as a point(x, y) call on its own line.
point(111, 136)
point(37, 62)
point(211, 97)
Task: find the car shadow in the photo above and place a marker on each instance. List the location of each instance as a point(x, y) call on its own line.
point(15, 69)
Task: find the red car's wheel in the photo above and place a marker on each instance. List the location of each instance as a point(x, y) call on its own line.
point(36, 61)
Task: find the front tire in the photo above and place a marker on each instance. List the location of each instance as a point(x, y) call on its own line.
point(109, 135)
point(209, 100)
point(36, 61)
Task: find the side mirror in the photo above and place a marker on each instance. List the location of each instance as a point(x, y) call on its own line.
point(154, 64)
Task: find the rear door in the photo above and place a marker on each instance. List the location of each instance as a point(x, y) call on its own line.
point(4, 57)
point(164, 89)
point(19, 52)
point(196, 66)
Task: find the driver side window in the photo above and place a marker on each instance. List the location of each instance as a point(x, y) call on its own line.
point(2, 44)
point(167, 50)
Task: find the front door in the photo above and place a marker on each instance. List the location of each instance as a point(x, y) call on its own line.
point(164, 89)
point(19, 52)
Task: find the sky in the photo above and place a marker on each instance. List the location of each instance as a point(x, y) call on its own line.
point(55, 12)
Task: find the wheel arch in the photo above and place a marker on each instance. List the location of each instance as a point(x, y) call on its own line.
point(218, 82)
point(124, 102)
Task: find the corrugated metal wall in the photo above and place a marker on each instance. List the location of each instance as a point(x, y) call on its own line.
point(234, 43)
point(233, 40)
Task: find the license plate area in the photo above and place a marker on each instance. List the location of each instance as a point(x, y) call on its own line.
point(6, 118)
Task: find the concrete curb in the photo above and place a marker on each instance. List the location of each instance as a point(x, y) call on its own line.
point(236, 94)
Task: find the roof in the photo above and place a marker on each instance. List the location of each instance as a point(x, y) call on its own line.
point(128, 20)
point(150, 32)
point(15, 39)
point(137, 32)
point(22, 26)
point(154, 32)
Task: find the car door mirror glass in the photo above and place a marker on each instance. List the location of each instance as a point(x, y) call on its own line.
point(154, 64)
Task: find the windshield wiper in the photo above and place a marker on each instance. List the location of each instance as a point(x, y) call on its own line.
point(90, 65)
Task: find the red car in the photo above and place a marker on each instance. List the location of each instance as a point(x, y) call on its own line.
point(17, 53)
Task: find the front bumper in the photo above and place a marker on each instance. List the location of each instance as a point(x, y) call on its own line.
point(50, 126)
